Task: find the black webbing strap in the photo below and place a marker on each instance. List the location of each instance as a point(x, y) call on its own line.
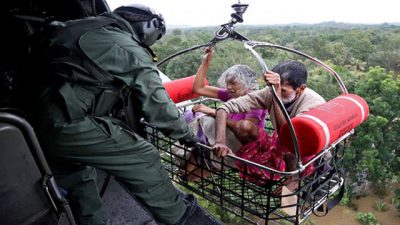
point(69, 61)
point(68, 37)
point(71, 101)
point(336, 200)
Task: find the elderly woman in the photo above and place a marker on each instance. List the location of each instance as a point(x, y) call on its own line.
point(236, 81)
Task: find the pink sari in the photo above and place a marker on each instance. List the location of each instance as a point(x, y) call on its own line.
point(266, 151)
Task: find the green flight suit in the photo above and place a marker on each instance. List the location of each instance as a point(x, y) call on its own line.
point(76, 144)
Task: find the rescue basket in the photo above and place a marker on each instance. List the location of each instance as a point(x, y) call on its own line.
point(270, 202)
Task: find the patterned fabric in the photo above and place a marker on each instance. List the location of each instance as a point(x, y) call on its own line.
point(265, 151)
point(268, 152)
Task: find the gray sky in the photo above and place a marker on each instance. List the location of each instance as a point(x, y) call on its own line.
point(216, 12)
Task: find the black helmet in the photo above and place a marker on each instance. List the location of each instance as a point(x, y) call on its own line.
point(148, 24)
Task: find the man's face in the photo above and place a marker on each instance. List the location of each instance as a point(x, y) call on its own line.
point(288, 93)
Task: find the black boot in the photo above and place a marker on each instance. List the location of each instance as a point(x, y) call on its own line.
point(195, 215)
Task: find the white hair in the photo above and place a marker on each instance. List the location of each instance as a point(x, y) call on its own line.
point(242, 74)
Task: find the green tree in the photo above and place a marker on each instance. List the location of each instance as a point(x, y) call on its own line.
point(387, 54)
point(375, 146)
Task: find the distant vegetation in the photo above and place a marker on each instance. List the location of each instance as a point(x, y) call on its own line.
point(366, 57)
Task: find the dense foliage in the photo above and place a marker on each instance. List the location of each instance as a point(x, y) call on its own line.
point(367, 219)
point(366, 57)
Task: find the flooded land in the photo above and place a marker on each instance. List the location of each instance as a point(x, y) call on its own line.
point(342, 215)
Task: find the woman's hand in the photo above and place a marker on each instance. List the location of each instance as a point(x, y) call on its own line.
point(221, 150)
point(199, 85)
point(204, 109)
point(208, 54)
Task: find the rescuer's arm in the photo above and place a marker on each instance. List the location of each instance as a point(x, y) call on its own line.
point(156, 106)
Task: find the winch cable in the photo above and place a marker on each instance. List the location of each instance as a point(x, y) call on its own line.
point(224, 32)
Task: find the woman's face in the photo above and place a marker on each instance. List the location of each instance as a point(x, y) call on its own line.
point(235, 88)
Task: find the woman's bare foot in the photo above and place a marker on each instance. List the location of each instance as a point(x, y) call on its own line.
point(193, 171)
point(198, 174)
point(292, 183)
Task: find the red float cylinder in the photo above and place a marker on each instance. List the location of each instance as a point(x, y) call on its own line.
point(321, 126)
point(180, 90)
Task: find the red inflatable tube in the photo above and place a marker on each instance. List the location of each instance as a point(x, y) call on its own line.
point(181, 89)
point(321, 126)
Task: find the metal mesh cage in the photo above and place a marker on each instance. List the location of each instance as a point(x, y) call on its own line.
point(271, 201)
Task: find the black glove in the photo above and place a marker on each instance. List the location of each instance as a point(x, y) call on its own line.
point(189, 140)
point(202, 154)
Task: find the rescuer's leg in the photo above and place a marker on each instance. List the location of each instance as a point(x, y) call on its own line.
point(80, 184)
point(131, 159)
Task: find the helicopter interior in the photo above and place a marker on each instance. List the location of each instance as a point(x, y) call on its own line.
point(28, 184)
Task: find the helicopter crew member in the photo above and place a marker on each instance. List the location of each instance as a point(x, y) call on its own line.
point(74, 123)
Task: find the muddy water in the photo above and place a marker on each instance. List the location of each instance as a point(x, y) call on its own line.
point(341, 215)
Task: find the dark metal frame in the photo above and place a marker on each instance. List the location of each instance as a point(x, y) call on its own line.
point(49, 186)
point(249, 200)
